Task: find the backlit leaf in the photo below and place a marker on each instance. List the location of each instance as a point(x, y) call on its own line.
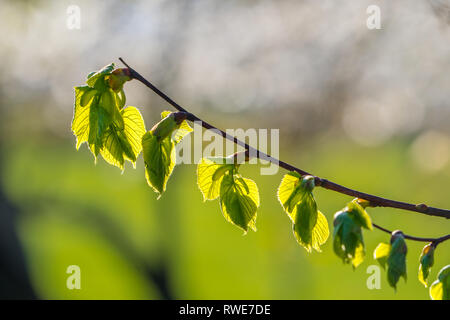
point(180, 130)
point(309, 225)
point(348, 243)
point(290, 192)
point(440, 289)
point(119, 145)
point(90, 122)
point(97, 79)
point(209, 177)
point(397, 259)
point(80, 122)
point(159, 158)
point(359, 214)
point(381, 253)
point(426, 262)
point(394, 256)
point(239, 202)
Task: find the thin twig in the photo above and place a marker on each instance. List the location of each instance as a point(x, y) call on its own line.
point(374, 201)
point(435, 241)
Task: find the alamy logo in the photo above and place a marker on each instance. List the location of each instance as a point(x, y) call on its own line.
point(374, 18)
point(73, 17)
point(189, 152)
point(74, 280)
point(374, 280)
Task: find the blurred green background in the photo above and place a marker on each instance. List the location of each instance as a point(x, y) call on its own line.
point(367, 109)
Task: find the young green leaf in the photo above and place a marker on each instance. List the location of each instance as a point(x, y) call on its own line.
point(87, 97)
point(98, 119)
point(397, 259)
point(310, 226)
point(97, 79)
point(109, 103)
point(90, 122)
point(159, 149)
point(359, 214)
point(381, 253)
point(209, 177)
point(80, 121)
point(290, 193)
point(173, 124)
point(348, 243)
point(120, 145)
point(239, 200)
point(426, 262)
point(440, 289)
point(159, 159)
point(181, 131)
point(394, 255)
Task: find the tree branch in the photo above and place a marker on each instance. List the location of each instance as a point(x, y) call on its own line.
point(434, 241)
point(374, 201)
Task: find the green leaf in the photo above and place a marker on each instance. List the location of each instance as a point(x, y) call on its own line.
point(394, 255)
point(290, 193)
point(90, 122)
point(169, 126)
point(209, 177)
point(99, 121)
point(319, 234)
point(396, 260)
point(120, 98)
point(239, 200)
point(183, 129)
point(96, 80)
point(87, 97)
point(109, 103)
point(359, 214)
point(80, 121)
point(160, 158)
point(440, 289)
point(426, 262)
point(159, 149)
point(381, 253)
point(310, 225)
point(166, 126)
point(120, 145)
point(348, 243)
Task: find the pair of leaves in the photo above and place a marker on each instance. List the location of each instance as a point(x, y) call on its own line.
point(394, 255)
point(310, 226)
point(101, 121)
point(426, 262)
point(440, 289)
point(348, 242)
point(238, 196)
point(159, 149)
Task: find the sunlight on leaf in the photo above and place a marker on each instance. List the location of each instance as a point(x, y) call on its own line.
point(119, 145)
point(159, 158)
point(310, 226)
point(348, 243)
point(239, 203)
point(209, 177)
point(426, 262)
point(394, 256)
point(440, 289)
point(381, 253)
